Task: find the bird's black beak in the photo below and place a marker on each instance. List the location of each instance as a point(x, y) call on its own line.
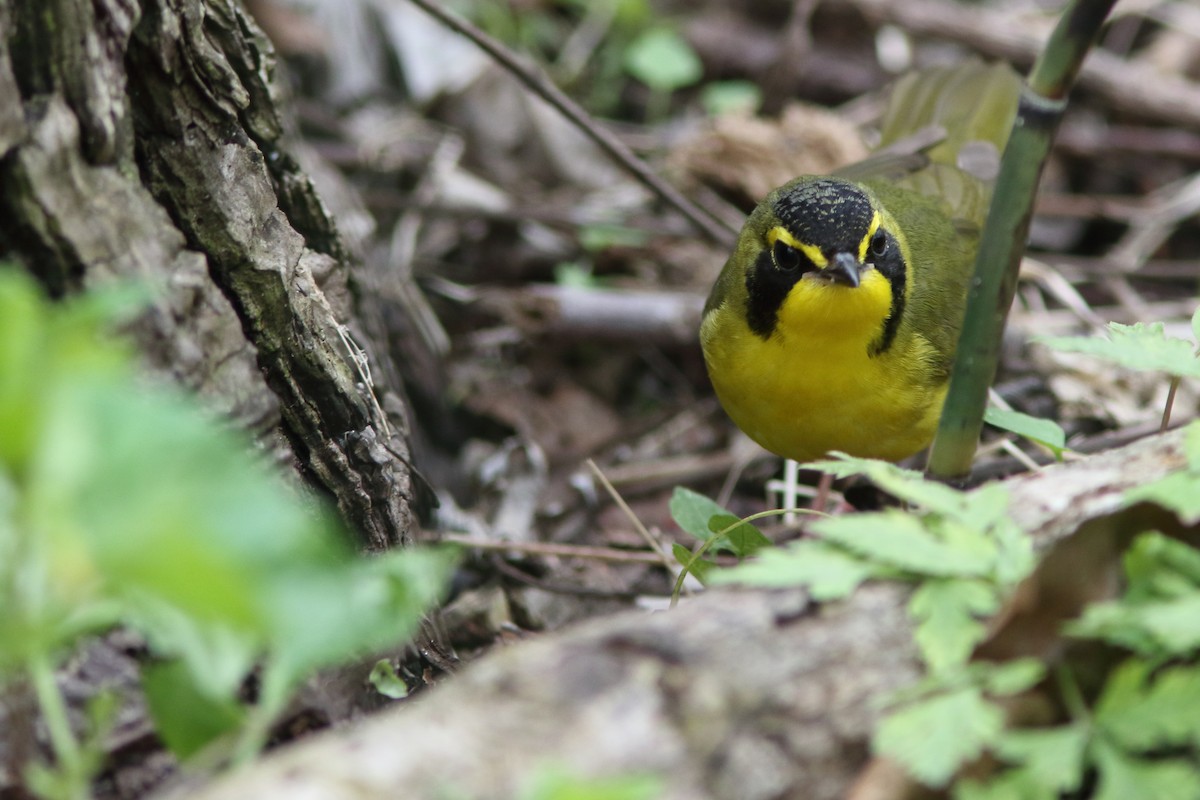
point(844, 269)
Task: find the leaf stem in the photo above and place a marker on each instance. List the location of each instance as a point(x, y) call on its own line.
point(67, 752)
point(1166, 415)
point(1072, 696)
point(702, 548)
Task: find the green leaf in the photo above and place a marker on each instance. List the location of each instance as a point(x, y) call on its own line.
point(575, 275)
point(1191, 444)
point(1123, 777)
point(1012, 677)
point(701, 567)
point(946, 613)
point(730, 97)
point(1160, 628)
point(1141, 346)
point(933, 738)
point(384, 679)
point(551, 783)
point(1174, 624)
point(1158, 567)
point(325, 615)
point(905, 484)
point(980, 510)
point(1052, 757)
point(692, 511)
point(1015, 558)
point(1043, 431)
point(827, 572)
point(218, 655)
point(596, 237)
point(661, 59)
point(1011, 784)
point(1141, 711)
point(1176, 491)
point(23, 338)
point(902, 540)
point(1048, 763)
point(185, 717)
point(741, 537)
point(131, 504)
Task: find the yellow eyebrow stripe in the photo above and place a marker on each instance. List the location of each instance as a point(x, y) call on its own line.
point(814, 254)
point(866, 240)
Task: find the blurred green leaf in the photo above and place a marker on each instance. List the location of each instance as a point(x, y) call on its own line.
point(384, 679)
point(947, 615)
point(187, 719)
point(902, 540)
point(594, 238)
point(333, 612)
point(1141, 710)
point(1177, 491)
point(979, 509)
point(827, 572)
point(1049, 762)
point(932, 738)
point(1141, 346)
point(661, 59)
point(1159, 616)
point(730, 97)
point(1160, 628)
point(1158, 567)
point(1123, 776)
point(121, 500)
point(552, 783)
point(1012, 677)
point(575, 275)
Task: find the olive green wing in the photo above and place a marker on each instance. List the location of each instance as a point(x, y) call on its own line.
point(972, 101)
point(942, 134)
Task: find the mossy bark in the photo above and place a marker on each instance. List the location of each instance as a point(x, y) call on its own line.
point(143, 139)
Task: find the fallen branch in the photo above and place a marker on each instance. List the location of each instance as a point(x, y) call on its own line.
point(732, 695)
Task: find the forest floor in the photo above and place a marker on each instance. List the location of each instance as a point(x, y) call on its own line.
point(553, 300)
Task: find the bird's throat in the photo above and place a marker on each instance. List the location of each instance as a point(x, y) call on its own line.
point(817, 310)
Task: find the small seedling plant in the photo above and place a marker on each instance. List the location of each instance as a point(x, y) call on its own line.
point(123, 503)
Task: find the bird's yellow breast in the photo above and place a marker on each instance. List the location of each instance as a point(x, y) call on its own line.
point(814, 385)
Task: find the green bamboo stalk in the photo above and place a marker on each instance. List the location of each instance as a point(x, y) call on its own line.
point(1042, 103)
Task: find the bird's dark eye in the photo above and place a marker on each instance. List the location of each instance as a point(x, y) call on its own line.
point(879, 244)
point(787, 258)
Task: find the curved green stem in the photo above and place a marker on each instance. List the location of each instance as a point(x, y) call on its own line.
point(67, 752)
point(703, 547)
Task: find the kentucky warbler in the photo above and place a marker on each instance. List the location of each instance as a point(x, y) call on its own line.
point(833, 324)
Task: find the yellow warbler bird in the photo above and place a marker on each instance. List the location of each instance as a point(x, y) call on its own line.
point(834, 322)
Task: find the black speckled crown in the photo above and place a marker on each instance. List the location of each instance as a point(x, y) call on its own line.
point(829, 213)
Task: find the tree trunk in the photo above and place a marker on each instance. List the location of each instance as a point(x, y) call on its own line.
point(144, 141)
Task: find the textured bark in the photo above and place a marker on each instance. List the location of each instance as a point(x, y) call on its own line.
point(143, 140)
point(734, 695)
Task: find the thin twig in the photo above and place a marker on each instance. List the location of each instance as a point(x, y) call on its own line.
point(664, 556)
point(552, 549)
point(521, 576)
point(712, 227)
point(1166, 416)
